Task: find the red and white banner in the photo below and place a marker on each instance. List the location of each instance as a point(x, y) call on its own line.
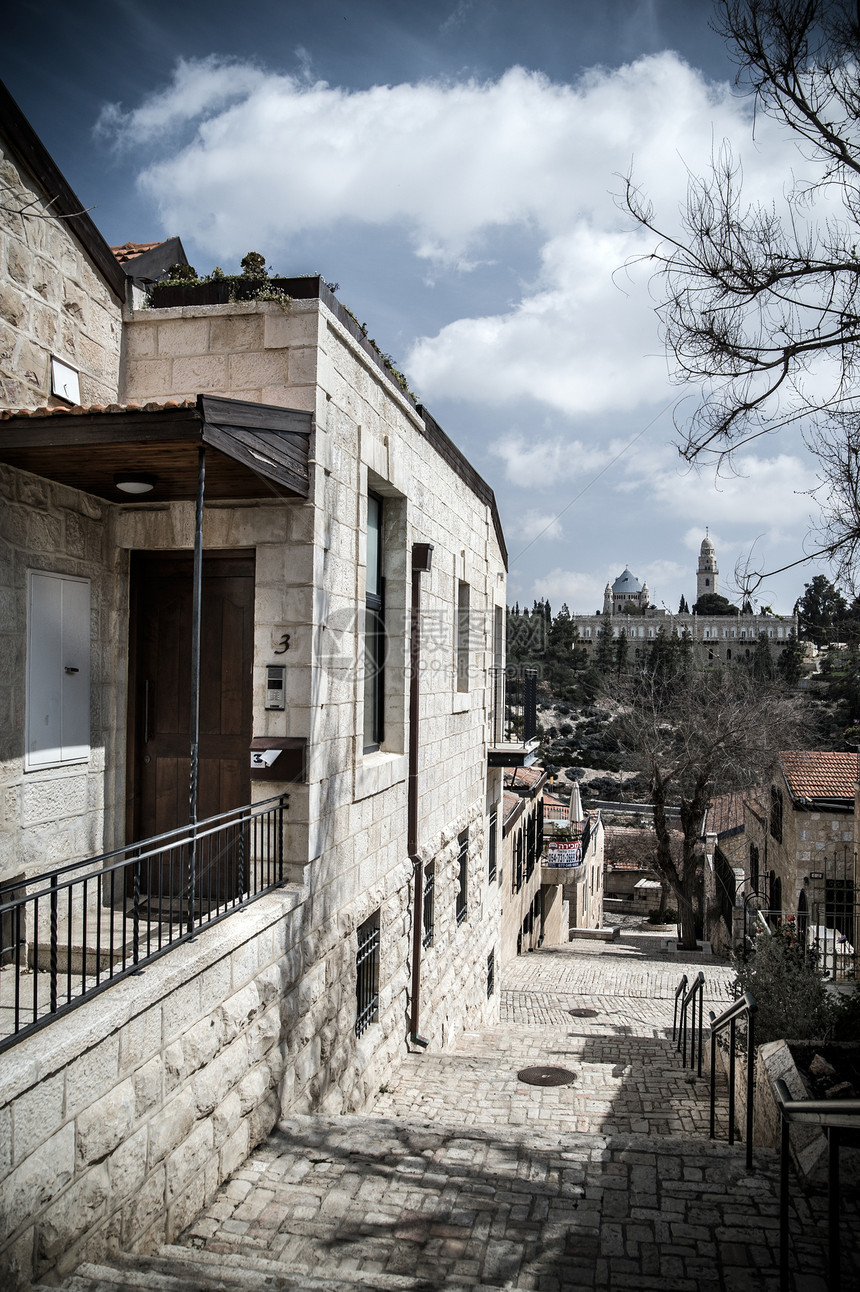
point(565, 853)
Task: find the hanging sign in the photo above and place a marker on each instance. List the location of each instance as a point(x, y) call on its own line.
point(565, 853)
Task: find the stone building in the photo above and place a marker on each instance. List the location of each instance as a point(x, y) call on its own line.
point(801, 850)
point(533, 911)
point(627, 609)
point(235, 512)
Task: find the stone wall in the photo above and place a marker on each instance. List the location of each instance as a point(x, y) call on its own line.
point(812, 843)
point(348, 831)
point(119, 1121)
point(52, 302)
point(718, 639)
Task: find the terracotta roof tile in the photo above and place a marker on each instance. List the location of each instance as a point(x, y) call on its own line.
point(78, 410)
point(131, 250)
point(820, 774)
point(725, 814)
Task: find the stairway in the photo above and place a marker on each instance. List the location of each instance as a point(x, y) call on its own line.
point(465, 1177)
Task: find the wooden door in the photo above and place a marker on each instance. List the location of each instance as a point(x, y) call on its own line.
point(161, 648)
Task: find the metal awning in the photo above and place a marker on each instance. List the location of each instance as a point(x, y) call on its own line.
point(254, 450)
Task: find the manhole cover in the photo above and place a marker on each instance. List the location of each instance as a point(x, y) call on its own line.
point(583, 1013)
point(546, 1076)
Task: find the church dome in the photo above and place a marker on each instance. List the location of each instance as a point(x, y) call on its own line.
point(707, 548)
point(626, 584)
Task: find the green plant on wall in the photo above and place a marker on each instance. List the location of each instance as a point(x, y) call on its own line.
point(791, 999)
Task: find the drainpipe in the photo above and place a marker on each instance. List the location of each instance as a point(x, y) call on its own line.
point(422, 555)
point(196, 605)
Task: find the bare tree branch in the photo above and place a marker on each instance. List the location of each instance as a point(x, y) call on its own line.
point(753, 300)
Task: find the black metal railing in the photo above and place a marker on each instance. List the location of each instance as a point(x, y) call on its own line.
point(69, 933)
point(682, 1028)
point(744, 1008)
point(514, 704)
point(833, 1117)
point(429, 907)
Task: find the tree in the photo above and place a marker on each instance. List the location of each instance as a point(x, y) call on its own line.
point(604, 656)
point(821, 608)
point(621, 649)
point(683, 608)
point(756, 297)
point(762, 666)
point(712, 603)
point(790, 663)
point(695, 735)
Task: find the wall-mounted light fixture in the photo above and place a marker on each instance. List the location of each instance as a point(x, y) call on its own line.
point(134, 482)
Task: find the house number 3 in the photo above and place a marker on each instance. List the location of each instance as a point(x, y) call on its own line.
point(284, 645)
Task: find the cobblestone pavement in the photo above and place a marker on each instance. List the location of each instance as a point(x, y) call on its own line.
point(463, 1177)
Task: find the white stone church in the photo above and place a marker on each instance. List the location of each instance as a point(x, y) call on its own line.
point(722, 638)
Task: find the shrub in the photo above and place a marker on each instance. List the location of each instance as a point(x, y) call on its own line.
point(790, 995)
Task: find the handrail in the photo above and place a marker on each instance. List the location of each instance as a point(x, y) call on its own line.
point(688, 1002)
point(834, 1117)
point(119, 918)
point(747, 1007)
point(679, 991)
point(203, 827)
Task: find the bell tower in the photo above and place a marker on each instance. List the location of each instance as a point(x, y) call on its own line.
point(707, 574)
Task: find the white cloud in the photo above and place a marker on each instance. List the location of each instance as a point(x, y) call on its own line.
point(199, 87)
point(248, 157)
point(582, 592)
point(766, 495)
point(534, 525)
point(544, 463)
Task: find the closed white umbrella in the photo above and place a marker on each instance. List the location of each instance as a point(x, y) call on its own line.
point(575, 815)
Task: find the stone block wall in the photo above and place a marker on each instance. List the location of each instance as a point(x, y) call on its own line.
point(53, 815)
point(51, 303)
point(119, 1121)
point(348, 831)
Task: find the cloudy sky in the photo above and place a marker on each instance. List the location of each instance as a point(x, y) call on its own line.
point(455, 166)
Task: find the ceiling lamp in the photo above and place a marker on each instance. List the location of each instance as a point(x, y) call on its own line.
point(134, 482)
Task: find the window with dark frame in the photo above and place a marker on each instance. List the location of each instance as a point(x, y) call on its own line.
point(517, 876)
point(462, 908)
point(367, 974)
point(374, 630)
point(776, 813)
point(463, 600)
point(754, 864)
point(491, 973)
point(530, 847)
point(428, 913)
point(492, 845)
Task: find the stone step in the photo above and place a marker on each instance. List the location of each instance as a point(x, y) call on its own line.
point(184, 1269)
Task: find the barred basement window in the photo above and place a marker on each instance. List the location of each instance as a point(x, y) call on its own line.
point(463, 864)
point(429, 903)
point(491, 847)
point(367, 974)
point(491, 973)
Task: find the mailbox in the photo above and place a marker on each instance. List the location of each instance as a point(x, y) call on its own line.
point(278, 758)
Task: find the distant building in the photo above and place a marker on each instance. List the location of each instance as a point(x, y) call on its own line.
point(801, 850)
point(720, 638)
